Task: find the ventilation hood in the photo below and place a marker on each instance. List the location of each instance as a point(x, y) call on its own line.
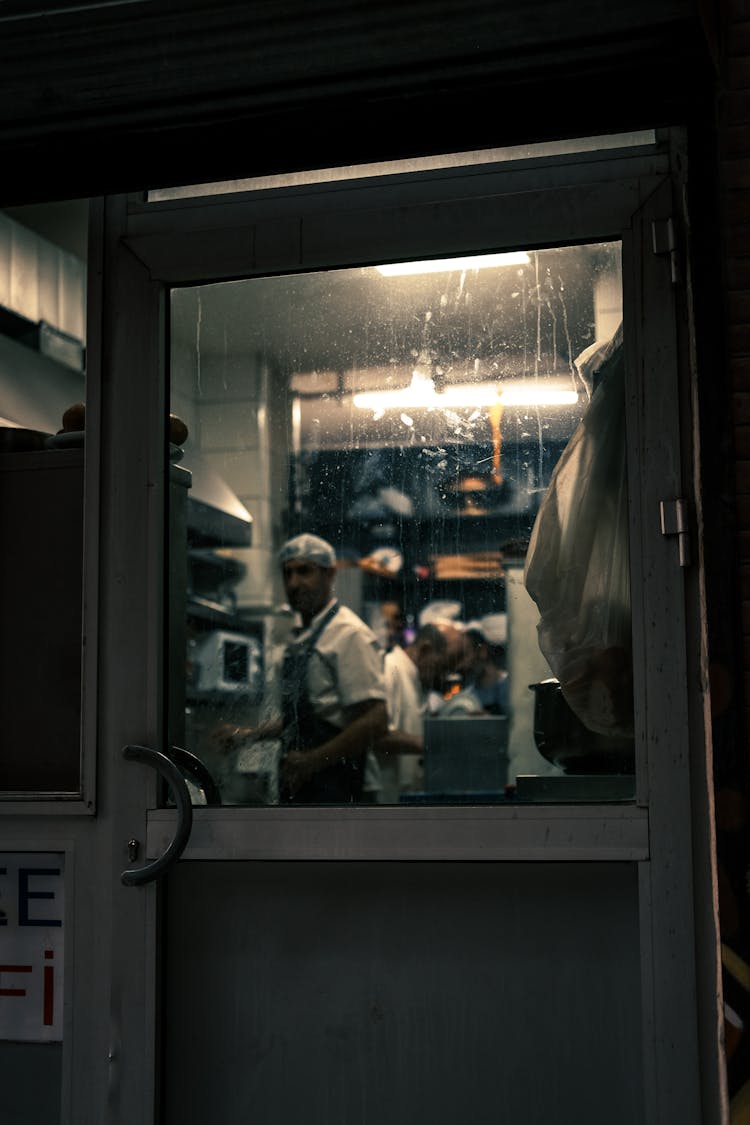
point(215, 515)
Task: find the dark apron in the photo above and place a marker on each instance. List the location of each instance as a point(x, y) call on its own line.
point(304, 730)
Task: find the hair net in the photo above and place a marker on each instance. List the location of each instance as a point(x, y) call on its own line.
point(310, 547)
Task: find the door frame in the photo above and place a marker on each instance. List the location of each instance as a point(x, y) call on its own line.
point(146, 248)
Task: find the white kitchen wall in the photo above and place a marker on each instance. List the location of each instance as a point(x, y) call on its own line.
point(235, 409)
point(34, 390)
point(40, 281)
point(526, 665)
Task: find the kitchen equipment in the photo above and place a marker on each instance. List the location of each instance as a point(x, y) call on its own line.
point(17, 439)
point(575, 788)
point(466, 755)
point(222, 664)
point(562, 738)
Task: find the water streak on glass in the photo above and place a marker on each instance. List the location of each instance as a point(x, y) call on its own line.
point(415, 423)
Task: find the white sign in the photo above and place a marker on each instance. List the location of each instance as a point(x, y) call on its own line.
point(31, 945)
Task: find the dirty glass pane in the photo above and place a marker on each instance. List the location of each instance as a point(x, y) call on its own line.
point(454, 432)
point(42, 417)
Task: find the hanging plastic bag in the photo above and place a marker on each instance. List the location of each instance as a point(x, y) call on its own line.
point(577, 564)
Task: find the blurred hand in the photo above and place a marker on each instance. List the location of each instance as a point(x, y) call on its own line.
point(228, 737)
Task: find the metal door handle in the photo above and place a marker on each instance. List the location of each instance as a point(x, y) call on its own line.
point(137, 876)
point(195, 769)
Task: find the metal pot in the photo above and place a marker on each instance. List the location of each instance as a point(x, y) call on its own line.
point(564, 740)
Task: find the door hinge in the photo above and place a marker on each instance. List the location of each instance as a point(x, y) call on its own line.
point(674, 521)
point(664, 241)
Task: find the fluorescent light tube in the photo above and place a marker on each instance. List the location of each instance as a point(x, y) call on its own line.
point(421, 395)
point(443, 265)
point(537, 396)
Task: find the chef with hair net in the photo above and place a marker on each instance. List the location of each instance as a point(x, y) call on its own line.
point(332, 694)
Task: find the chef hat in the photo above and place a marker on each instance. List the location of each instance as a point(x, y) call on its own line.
point(441, 612)
point(495, 628)
point(310, 547)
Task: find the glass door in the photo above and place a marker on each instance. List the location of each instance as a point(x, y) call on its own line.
point(377, 955)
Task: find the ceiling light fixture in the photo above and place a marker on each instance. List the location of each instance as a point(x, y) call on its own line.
point(444, 265)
